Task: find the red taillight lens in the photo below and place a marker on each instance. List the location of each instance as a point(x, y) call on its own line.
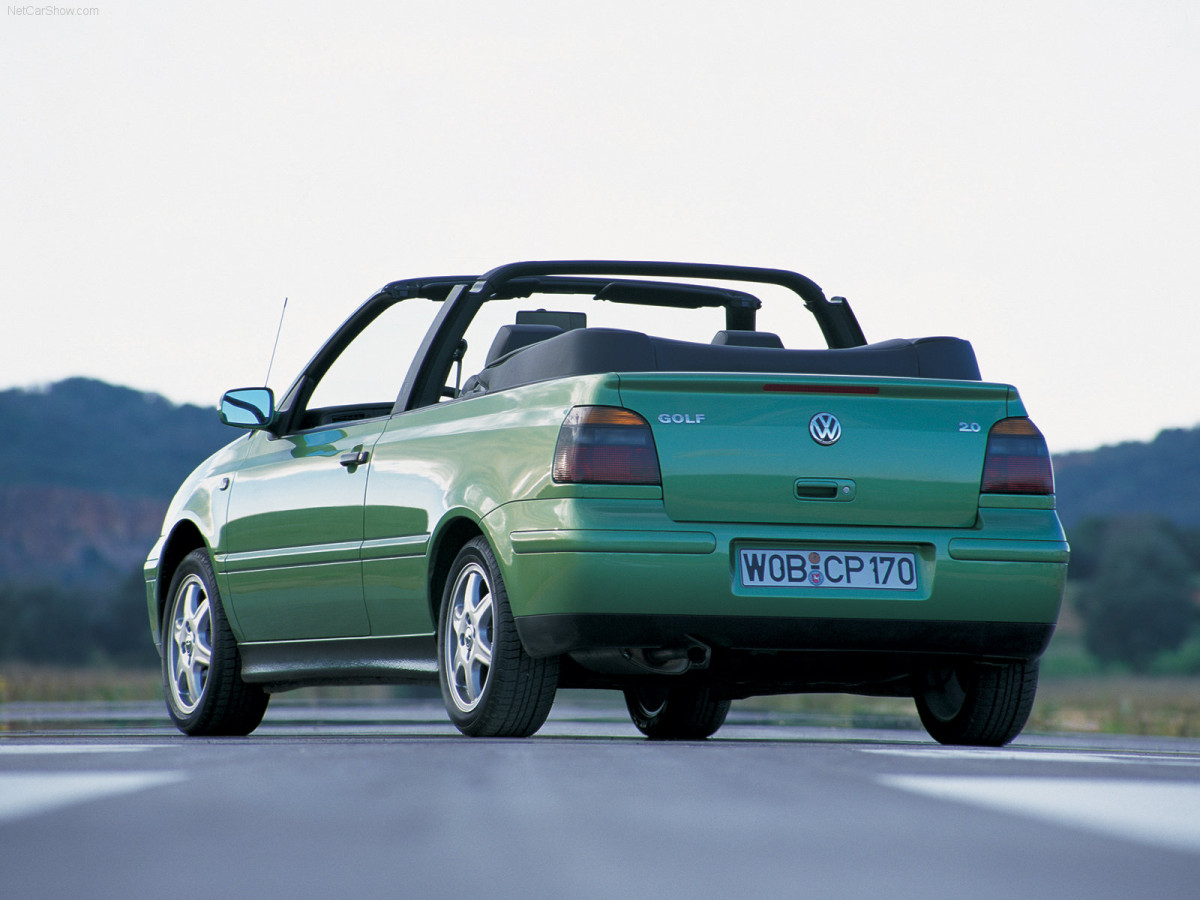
point(1018, 461)
point(605, 445)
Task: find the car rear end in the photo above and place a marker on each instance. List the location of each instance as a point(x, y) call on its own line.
point(776, 533)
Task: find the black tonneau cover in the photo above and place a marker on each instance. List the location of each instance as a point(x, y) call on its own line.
point(595, 350)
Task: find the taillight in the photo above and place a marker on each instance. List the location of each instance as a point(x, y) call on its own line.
point(605, 445)
point(1018, 461)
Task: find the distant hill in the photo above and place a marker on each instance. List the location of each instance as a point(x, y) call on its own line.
point(86, 475)
point(1159, 478)
point(89, 435)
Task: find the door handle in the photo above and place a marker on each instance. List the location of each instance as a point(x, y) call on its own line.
point(838, 490)
point(354, 459)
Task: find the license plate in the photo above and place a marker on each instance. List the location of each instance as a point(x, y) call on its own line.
point(854, 569)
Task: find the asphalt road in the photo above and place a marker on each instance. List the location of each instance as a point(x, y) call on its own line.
point(391, 802)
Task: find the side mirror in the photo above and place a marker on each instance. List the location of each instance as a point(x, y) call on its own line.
point(248, 408)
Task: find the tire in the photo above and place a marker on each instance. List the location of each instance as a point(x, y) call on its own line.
point(201, 664)
point(978, 704)
point(684, 713)
point(490, 685)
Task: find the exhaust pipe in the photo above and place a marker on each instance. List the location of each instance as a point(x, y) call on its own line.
point(647, 661)
point(695, 654)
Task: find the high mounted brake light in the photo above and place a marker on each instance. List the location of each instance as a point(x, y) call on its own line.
point(605, 445)
point(1017, 460)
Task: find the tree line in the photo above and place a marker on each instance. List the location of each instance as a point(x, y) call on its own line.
point(62, 624)
point(1137, 580)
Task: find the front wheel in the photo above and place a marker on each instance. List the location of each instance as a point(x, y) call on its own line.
point(202, 676)
point(678, 713)
point(490, 685)
point(982, 705)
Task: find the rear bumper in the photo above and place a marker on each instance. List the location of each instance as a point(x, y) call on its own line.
point(593, 574)
point(587, 574)
point(552, 634)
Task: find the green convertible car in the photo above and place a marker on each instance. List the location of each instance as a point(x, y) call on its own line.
point(689, 483)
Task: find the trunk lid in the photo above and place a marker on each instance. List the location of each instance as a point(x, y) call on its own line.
point(835, 450)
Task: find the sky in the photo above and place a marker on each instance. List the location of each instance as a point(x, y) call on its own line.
point(1020, 174)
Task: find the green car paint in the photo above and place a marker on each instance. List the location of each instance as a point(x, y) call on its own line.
point(293, 538)
point(430, 468)
point(334, 534)
point(883, 453)
point(575, 556)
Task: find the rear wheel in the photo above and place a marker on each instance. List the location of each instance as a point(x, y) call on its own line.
point(201, 665)
point(490, 685)
point(977, 704)
point(675, 713)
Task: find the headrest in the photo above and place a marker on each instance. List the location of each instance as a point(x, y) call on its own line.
point(748, 339)
point(514, 337)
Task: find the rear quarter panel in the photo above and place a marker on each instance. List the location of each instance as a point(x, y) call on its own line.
point(459, 459)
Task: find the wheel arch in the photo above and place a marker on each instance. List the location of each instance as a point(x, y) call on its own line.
point(184, 538)
point(451, 535)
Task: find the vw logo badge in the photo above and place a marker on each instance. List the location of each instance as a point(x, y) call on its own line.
point(825, 429)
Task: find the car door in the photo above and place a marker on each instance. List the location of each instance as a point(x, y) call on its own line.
point(295, 532)
point(291, 555)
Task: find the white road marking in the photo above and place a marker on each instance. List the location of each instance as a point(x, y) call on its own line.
point(1072, 756)
point(29, 794)
point(1159, 813)
point(49, 749)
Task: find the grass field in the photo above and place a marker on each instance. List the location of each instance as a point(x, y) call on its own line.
point(1121, 704)
point(1116, 704)
point(20, 683)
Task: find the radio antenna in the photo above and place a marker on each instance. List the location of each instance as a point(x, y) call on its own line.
point(278, 331)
